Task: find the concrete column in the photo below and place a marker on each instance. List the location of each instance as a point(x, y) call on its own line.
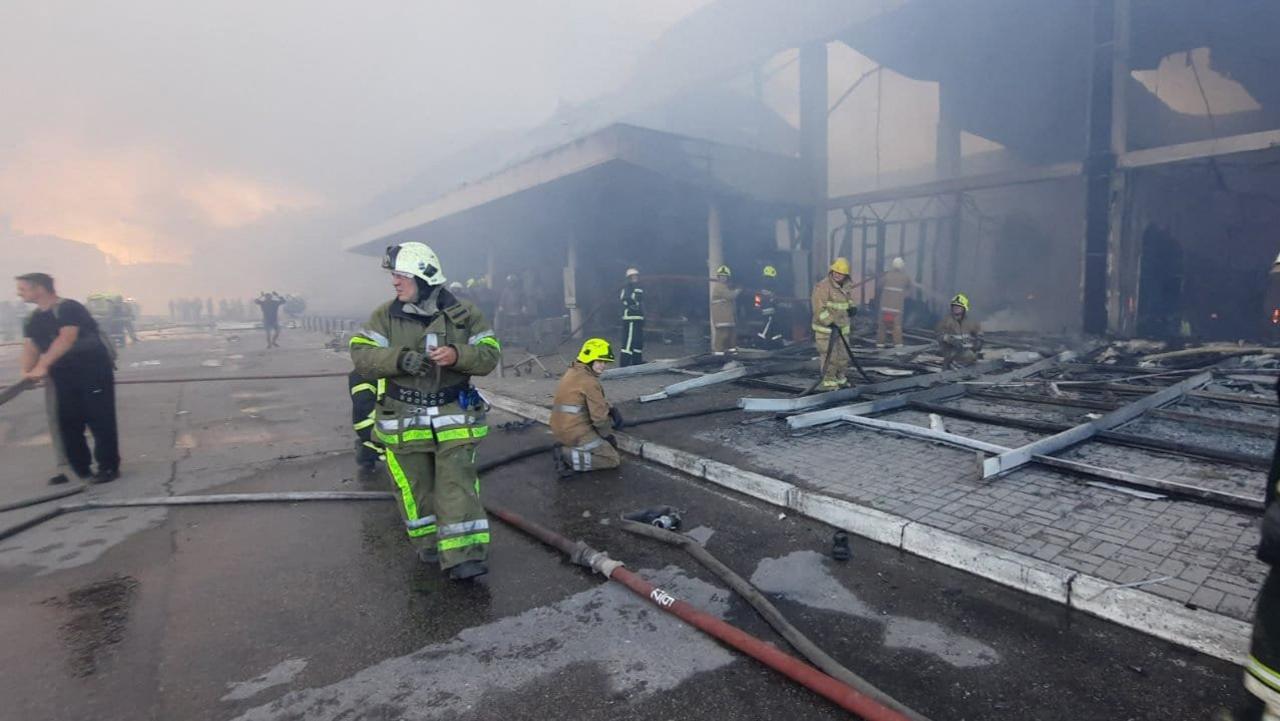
point(571, 287)
point(1119, 320)
point(715, 253)
point(813, 147)
point(1099, 166)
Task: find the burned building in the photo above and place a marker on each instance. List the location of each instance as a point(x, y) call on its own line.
point(1097, 167)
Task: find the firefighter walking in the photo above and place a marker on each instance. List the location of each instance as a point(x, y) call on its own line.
point(724, 313)
point(833, 306)
point(632, 297)
point(582, 421)
point(424, 346)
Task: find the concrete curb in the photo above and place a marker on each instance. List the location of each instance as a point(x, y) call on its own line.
point(1209, 633)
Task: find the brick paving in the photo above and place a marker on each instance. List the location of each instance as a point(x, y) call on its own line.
point(1205, 552)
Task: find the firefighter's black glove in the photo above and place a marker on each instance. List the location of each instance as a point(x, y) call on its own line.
point(616, 416)
point(413, 362)
point(853, 310)
point(612, 440)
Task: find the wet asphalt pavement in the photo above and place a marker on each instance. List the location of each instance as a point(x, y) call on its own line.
point(320, 611)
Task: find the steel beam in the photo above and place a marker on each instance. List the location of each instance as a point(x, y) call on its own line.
point(724, 376)
point(665, 365)
point(1227, 498)
point(1009, 460)
point(879, 405)
point(823, 400)
point(1201, 149)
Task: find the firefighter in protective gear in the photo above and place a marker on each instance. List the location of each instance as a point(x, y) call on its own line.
point(766, 304)
point(632, 298)
point(364, 414)
point(581, 419)
point(724, 320)
point(959, 335)
point(424, 346)
point(1262, 668)
point(892, 296)
point(833, 307)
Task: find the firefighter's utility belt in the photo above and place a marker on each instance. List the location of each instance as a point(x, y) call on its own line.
point(415, 397)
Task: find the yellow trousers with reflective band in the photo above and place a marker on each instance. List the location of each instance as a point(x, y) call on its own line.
point(835, 366)
point(439, 500)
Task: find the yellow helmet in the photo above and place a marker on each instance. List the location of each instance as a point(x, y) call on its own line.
point(723, 270)
point(595, 349)
point(961, 300)
point(840, 265)
point(770, 271)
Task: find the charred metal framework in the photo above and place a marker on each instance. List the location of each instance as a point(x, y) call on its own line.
point(1061, 99)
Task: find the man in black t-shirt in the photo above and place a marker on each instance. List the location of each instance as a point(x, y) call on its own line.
point(270, 304)
point(62, 345)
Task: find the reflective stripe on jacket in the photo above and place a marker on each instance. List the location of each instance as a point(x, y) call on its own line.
point(579, 406)
point(632, 298)
point(376, 350)
point(723, 301)
point(894, 287)
point(831, 304)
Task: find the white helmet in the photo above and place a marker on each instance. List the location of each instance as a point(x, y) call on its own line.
point(414, 259)
point(899, 263)
point(632, 271)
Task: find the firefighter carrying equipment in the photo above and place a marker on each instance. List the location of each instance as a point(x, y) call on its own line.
point(416, 260)
point(840, 265)
point(581, 421)
point(595, 349)
point(832, 307)
point(770, 271)
point(961, 300)
point(724, 270)
point(431, 447)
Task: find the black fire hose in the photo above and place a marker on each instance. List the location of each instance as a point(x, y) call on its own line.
point(771, 614)
point(852, 358)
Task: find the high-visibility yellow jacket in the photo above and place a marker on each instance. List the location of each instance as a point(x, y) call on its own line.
point(831, 304)
point(421, 426)
point(579, 406)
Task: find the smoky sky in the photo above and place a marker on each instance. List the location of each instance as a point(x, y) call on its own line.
point(149, 127)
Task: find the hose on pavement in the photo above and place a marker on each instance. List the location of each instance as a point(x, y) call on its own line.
point(771, 614)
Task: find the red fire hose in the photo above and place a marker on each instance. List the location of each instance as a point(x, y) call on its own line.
point(793, 668)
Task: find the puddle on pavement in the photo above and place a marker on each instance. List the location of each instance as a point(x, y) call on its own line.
point(803, 577)
point(99, 613)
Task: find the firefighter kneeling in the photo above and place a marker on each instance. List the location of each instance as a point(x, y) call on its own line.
point(581, 419)
point(425, 345)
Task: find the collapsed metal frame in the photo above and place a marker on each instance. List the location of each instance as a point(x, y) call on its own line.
point(1005, 459)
